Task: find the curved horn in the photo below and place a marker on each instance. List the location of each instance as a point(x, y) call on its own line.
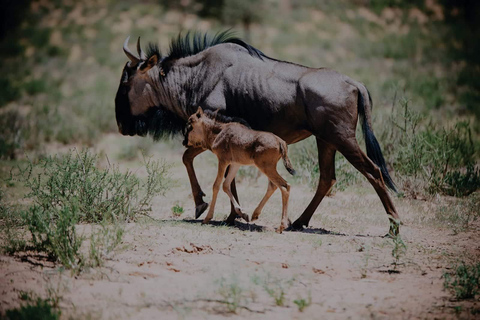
point(129, 53)
point(142, 54)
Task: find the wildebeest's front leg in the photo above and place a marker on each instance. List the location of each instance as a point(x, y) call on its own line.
point(188, 156)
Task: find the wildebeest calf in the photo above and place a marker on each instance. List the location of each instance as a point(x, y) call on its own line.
point(235, 144)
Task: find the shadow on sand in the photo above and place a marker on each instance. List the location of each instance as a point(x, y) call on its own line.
point(256, 228)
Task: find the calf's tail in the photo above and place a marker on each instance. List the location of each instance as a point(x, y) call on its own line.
point(286, 160)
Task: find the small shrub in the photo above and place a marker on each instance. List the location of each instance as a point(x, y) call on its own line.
point(458, 183)
point(54, 232)
point(8, 91)
point(464, 282)
point(35, 86)
point(71, 189)
point(399, 250)
point(39, 309)
point(232, 294)
point(11, 134)
point(177, 210)
point(460, 213)
point(275, 288)
point(302, 303)
point(435, 160)
point(11, 237)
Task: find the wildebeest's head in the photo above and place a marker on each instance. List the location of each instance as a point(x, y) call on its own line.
point(136, 100)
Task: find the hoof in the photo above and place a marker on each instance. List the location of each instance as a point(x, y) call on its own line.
point(230, 220)
point(296, 226)
point(200, 209)
point(394, 230)
point(280, 229)
point(242, 214)
point(205, 221)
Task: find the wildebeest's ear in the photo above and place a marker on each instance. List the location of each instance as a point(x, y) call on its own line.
point(152, 61)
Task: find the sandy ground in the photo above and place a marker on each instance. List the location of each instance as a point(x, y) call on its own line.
point(173, 267)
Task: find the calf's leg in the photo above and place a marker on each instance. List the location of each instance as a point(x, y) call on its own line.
point(270, 190)
point(277, 180)
point(222, 166)
point(232, 171)
point(233, 215)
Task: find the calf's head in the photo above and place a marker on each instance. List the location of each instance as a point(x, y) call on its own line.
point(195, 133)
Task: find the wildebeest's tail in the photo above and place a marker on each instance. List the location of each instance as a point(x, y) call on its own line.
point(374, 151)
point(286, 160)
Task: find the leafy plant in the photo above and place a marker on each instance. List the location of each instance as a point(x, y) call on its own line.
point(302, 303)
point(398, 251)
point(232, 294)
point(71, 189)
point(177, 210)
point(459, 213)
point(437, 160)
point(276, 288)
point(34, 309)
point(11, 136)
point(464, 282)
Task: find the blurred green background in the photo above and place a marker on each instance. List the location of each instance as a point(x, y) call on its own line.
point(60, 60)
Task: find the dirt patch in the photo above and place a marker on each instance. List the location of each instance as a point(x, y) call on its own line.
point(340, 267)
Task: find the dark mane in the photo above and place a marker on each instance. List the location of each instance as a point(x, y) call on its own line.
point(190, 44)
point(214, 115)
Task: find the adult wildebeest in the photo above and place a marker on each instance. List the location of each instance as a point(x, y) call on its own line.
point(235, 144)
point(158, 93)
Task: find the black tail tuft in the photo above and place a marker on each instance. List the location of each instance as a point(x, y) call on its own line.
point(374, 151)
point(291, 171)
point(286, 160)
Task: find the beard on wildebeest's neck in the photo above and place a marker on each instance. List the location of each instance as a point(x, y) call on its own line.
point(157, 121)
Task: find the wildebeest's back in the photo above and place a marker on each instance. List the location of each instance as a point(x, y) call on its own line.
point(259, 91)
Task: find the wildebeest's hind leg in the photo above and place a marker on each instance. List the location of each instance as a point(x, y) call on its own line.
point(222, 166)
point(352, 152)
point(232, 171)
point(188, 156)
point(326, 163)
point(270, 190)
